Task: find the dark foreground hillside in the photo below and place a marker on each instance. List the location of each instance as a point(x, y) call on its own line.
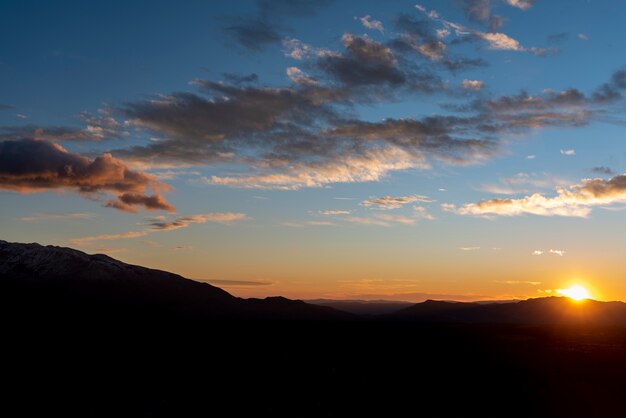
point(90, 336)
point(330, 369)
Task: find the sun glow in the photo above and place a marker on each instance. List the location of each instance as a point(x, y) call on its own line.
point(576, 292)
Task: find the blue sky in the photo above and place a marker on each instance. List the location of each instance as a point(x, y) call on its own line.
point(469, 149)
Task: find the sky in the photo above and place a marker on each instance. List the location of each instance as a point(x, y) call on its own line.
point(462, 149)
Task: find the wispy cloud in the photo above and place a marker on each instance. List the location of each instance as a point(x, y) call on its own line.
point(469, 248)
point(238, 283)
point(46, 216)
point(560, 253)
point(185, 221)
point(522, 183)
point(367, 221)
point(300, 77)
point(160, 224)
point(370, 23)
point(568, 152)
point(472, 84)
point(390, 202)
point(521, 4)
point(334, 212)
point(518, 282)
point(421, 212)
point(479, 11)
point(395, 218)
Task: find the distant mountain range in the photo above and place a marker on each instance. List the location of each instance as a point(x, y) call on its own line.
point(363, 307)
point(63, 283)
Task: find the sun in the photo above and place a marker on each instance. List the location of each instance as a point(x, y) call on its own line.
point(576, 292)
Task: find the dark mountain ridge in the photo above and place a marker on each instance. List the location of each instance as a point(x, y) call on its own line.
point(67, 282)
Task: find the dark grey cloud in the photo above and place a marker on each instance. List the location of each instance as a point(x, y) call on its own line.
point(446, 138)
point(415, 26)
point(267, 26)
point(28, 166)
point(226, 119)
point(495, 23)
point(515, 113)
point(556, 38)
point(476, 10)
point(6, 106)
point(239, 80)
point(418, 36)
point(611, 91)
point(254, 34)
point(96, 128)
point(603, 170)
point(365, 62)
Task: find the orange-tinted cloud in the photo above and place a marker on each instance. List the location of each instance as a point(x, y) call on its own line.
point(576, 200)
point(30, 165)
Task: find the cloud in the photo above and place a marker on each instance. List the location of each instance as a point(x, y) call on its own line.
point(522, 182)
point(370, 165)
point(575, 201)
point(395, 218)
point(476, 10)
point(365, 62)
point(582, 37)
point(211, 128)
point(29, 165)
point(47, 216)
point(370, 23)
point(6, 106)
point(185, 221)
point(469, 248)
point(531, 157)
point(472, 84)
point(421, 212)
point(108, 237)
point(568, 152)
point(127, 202)
point(556, 38)
point(254, 33)
point(160, 224)
point(334, 212)
point(299, 77)
point(389, 202)
point(603, 170)
point(521, 4)
point(238, 283)
point(367, 221)
point(560, 253)
point(266, 26)
point(517, 282)
point(495, 22)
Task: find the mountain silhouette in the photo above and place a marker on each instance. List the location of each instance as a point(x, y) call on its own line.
point(363, 307)
point(61, 281)
point(539, 311)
